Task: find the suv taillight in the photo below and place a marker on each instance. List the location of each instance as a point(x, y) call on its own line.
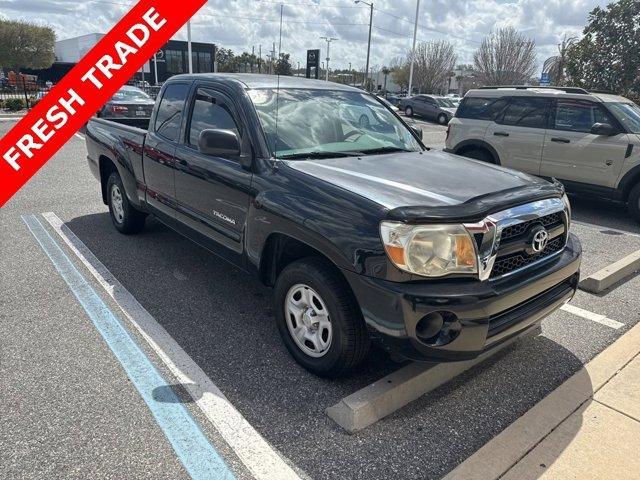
point(118, 109)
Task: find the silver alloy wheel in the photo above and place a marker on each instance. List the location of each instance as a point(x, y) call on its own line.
point(117, 203)
point(308, 320)
point(442, 119)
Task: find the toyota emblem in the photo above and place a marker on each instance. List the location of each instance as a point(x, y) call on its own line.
point(540, 240)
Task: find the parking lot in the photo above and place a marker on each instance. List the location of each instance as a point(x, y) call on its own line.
point(73, 411)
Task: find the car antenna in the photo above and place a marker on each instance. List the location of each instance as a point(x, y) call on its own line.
point(275, 139)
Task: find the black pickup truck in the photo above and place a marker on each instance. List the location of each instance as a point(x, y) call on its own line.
point(363, 232)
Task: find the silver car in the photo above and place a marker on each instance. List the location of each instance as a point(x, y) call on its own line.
point(439, 109)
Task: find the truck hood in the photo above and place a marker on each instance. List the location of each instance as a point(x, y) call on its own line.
point(419, 184)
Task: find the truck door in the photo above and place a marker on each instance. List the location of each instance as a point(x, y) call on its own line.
point(573, 153)
point(159, 148)
point(213, 193)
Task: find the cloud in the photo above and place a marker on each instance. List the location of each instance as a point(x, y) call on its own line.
point(245, 24)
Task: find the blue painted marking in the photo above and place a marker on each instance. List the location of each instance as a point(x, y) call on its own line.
point(195, 452)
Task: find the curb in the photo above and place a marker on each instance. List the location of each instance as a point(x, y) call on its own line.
point(505, 450)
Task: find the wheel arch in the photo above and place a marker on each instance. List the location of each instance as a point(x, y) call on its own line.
point(280, 250)
point(628, 181)
point(468, 145)
point(106, 167)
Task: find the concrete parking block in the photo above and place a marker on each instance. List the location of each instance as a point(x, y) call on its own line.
point(614, 273)
point(382, 398)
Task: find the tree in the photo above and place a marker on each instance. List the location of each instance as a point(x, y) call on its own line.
point(400, 72)
point(608, 56)
point(433, 65)
point(283, 65)
point(555, 66)
point(505, 57)
point(25, 45)
point(385, 71)
point(224, 58)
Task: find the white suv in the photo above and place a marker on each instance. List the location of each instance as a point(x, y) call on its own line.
point(589, 141)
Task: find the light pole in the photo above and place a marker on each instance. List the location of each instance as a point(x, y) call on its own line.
point(366, 69)
point(189, 46)
point(413, 49)
point(329, 40)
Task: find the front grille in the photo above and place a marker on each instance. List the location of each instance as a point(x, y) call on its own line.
point(520, 228)
point(519, 235)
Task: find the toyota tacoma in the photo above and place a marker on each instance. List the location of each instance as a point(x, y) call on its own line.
point(365, 234)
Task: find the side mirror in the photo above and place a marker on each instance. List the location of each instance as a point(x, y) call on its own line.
point(417, 131)
point(219, 143)
point(603, 129)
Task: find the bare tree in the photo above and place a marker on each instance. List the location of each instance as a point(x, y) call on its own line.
point(433, 65)
point(505, 57)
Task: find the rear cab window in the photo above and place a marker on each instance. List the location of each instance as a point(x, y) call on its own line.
point(169, 116)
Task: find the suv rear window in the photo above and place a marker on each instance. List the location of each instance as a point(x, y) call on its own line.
point(481, 108)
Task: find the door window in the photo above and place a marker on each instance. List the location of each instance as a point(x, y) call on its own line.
point(579, 115)
point(526, 112)
point(481, 108)
point(210, 111)
point(170, 111)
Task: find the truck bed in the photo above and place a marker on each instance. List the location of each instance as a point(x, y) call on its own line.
point(107, 138)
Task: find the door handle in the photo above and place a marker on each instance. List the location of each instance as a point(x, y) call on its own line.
point(560, 140)
point(501, 134)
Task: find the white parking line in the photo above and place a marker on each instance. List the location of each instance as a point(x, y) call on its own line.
point(253, 450)
point(594, 317)
point(79, 136)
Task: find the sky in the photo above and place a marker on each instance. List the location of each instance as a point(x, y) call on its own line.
point(245, 24)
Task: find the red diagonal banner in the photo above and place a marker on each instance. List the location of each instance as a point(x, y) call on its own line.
point(68, 106)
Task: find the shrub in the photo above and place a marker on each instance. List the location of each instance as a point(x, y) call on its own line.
point(14, 104)
point(33, 102)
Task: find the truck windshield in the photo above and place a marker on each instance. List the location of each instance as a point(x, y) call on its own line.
point(628, 114)
point(319, 123)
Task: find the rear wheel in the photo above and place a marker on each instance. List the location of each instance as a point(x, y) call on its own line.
point(442, 119)
point(408, 111)
point(124, 216)
point(478, 154)
point(319, 319)
point(633, 203)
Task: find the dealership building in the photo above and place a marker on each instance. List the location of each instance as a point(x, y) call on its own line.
point(171, 59)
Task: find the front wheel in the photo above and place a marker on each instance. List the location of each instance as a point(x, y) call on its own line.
point(319, 319)
point(408, 112)
point(124, 216)
point(633, 203)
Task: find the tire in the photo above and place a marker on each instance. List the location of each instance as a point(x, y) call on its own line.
point(346, 342)
point(408, 111)
point(123, 215)
point(442, 119)
point(479, 154)
point(633, 203)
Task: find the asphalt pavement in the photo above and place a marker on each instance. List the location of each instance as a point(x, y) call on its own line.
point(71, 411)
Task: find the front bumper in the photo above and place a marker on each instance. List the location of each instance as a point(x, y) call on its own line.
point(481, 314)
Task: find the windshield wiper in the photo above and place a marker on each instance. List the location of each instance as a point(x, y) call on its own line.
point(375, 151)
point(318, 154)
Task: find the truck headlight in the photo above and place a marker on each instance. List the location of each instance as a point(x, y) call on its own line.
point(429, 250)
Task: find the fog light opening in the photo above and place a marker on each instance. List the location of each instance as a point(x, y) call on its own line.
point(438, 328)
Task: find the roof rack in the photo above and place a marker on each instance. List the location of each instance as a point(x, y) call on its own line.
point(526, 87)
point(607, 92)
